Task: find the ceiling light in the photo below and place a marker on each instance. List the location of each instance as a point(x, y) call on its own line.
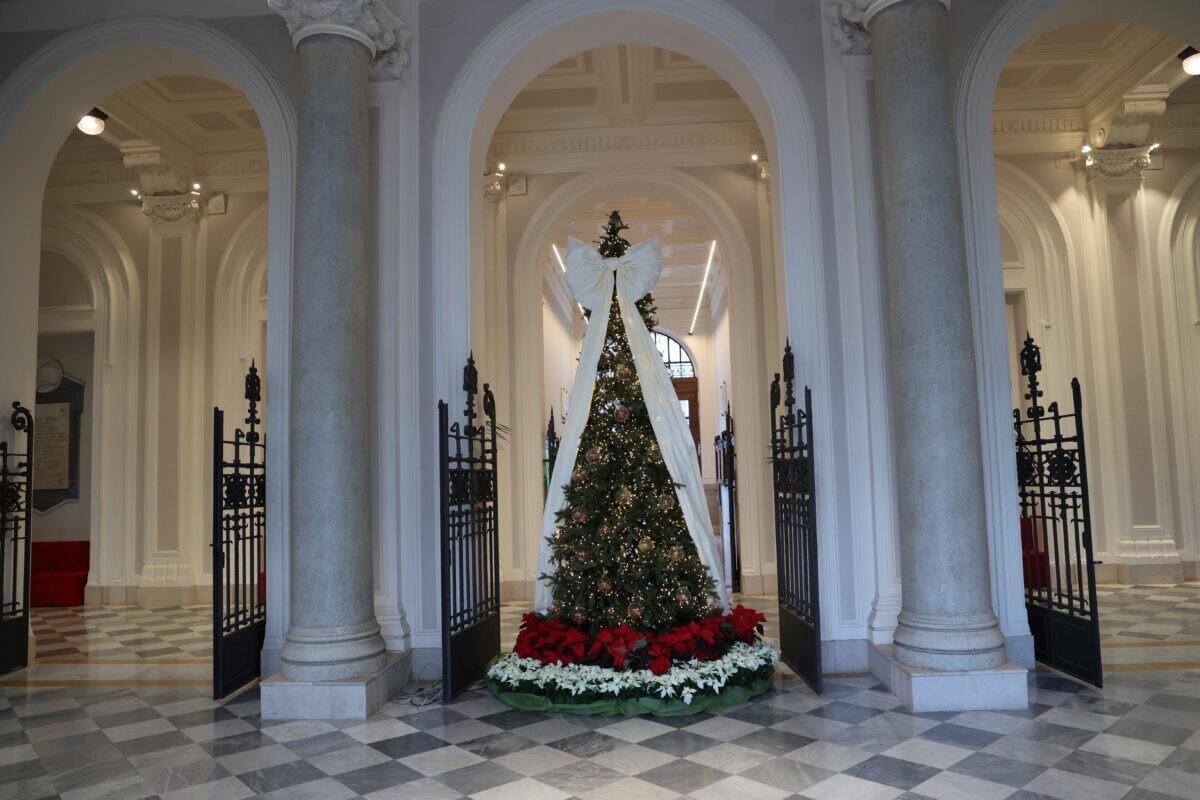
point(135, 192)
point(754, 156)
point(1191, 61)
point(196, 186)
point(501, 167)
point(92, 123)
point(1087, 148)
point(1154, 147)
point(712, 248)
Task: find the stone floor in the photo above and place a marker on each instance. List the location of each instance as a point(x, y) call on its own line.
point(1137, 739)
point(122, 632)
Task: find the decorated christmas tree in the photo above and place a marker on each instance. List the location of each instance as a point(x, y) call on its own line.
point(622, 552)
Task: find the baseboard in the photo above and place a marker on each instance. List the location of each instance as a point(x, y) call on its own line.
point(1145, 574)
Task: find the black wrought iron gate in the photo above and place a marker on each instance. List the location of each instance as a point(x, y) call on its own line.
point(1056, 529)
point(725, 445)
point(16, 489)
point(470, 539)
point(796, 527)
point(239, 545)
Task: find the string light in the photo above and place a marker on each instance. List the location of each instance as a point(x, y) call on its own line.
point(712, 248)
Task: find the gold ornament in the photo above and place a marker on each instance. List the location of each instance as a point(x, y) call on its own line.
point(645, 544)
point(621, 413)
point(592, 455)
point(682, 598)
point(624, 496)
point(579, 515)
point(666, 503)
point(579, 615)
point(675, 553)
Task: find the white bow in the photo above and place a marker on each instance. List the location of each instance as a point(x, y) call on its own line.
point(590, 277)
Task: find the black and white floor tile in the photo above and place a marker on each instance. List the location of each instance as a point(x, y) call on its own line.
point(1137, 739)
point(115, 632)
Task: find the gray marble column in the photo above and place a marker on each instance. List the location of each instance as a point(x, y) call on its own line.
point(333, 632)
point(946, 620)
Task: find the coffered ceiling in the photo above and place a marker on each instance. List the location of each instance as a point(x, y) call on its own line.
point(685, 239)
point(1066, 82)
point(205, 130)
point(623, 105)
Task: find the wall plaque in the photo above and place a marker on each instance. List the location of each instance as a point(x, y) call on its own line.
point(57, 418)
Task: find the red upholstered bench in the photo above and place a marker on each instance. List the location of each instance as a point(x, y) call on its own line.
point(58, 573)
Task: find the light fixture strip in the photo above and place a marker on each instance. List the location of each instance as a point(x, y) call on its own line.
point(712, 248)
point(563, 267)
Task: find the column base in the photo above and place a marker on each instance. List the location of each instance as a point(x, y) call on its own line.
point(991, 689)
point(348, 698)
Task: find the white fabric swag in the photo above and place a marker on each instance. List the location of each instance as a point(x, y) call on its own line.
point(590, 278)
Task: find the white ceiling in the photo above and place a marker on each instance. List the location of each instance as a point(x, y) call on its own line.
point(685, 239)
point(1061, 84)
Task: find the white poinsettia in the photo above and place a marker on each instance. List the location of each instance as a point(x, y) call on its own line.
point(683, 680)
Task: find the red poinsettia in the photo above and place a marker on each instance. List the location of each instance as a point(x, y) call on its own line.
point(622, 647)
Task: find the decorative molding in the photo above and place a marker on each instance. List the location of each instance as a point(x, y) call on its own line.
point(851, 19)
point(494, 187)
point(1119, 162)
point(161, 208)
point(370, 22)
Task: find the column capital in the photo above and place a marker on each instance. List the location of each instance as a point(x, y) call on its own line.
point(1118, 165)
point(370, 22)
point(494, 188)
point(850, 19)
point(168, 208)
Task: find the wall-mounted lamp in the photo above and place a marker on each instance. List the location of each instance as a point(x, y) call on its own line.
point(1191, 60)
point(92, 123)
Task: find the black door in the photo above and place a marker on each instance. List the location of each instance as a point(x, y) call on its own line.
point(1056, 529)
point(239, 546)
point(726, 452)
point(470, 539)
point(16, 489)
point(796, 527)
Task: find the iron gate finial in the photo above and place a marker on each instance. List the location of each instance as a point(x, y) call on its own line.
point(253, 395)
point(22, 420)
point(470, 385)
point(1031, 365)
point(789, 375)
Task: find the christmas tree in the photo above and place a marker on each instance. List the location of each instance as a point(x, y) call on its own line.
point(622, 551)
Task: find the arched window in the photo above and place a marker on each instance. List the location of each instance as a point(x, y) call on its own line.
point(674, 356)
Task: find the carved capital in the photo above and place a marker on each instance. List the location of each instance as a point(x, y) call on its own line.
point(850, 19)
point(1119, 162)
point(171, 207)
point(370, 22)
point(494, 187)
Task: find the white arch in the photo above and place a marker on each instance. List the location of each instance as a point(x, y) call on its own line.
point(544, 31)
point(107, 266)
point(238, 307)
point(41, 101)
point(1012, 23)
point(749, 369)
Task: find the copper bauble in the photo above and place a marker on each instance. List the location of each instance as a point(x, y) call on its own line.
point(604, 585)
point(682, 597)
point(623, 371)
point(579, 515)
point(621, 413)
point(592, 455)
point(579, 476)
point(579, 615)
point(666, 503)
point(634, 611)
point(624, 496)
point(675, 553)
point(645, 544)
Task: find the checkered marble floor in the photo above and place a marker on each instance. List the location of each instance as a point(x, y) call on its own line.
point(1154, 613)
point(1137, 739)
point(122, 632)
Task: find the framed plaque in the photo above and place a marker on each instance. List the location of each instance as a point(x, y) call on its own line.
point(57, 419)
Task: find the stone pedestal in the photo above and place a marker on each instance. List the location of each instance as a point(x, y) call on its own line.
point(995, 689)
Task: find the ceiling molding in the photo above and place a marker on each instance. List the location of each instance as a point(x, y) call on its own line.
point(28, 15)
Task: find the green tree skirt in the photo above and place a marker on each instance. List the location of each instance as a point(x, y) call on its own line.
point(633, 706)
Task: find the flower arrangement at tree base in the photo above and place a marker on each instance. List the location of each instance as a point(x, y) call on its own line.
point(710, 663)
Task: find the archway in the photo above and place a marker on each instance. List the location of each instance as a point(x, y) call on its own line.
point(50, 91)
point(544, 32)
